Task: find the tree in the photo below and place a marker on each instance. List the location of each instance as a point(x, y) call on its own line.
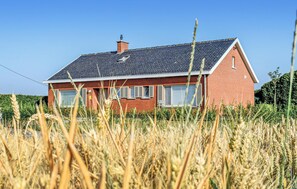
point(274, 76)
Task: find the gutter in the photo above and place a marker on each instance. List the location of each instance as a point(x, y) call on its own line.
point(126, 77)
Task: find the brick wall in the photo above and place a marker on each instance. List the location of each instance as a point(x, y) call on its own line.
point(138, 103)
point(228, 85)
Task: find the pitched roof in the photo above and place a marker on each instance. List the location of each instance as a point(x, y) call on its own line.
point(170, 59)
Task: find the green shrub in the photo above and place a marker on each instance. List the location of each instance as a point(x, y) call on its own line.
point(26, 105)
point(266, 93)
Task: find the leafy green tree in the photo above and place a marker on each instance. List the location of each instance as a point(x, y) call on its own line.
point(267, 92)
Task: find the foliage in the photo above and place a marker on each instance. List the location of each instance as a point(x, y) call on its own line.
point(266, 93)
point(26, 103)
point(274, 75)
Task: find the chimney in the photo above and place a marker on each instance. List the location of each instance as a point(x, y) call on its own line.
point(122, 45)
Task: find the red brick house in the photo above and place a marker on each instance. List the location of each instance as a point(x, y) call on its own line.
point(145, 78)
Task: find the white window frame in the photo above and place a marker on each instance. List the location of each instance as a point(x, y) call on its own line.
point(113, 92)
point(143, 92)
point(138, 91)
point(233, 62)
point(151, 91)
point(171, 92)
point(160, 96)
point(82, 96)
point(129, 92)
point(124, 92)
point(60, 99)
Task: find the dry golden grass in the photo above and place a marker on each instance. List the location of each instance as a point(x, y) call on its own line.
point(171, 155)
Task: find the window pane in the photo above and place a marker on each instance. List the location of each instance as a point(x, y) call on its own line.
point(178, 95)
point(67, 98)
point(168, 95)
point(146, 92)
point(233, 62)
point(113, 93)
point(132, 94)
point(179, 92)
point(190, 95)
point(118, 92)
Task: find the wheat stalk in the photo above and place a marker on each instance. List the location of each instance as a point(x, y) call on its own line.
point(15, 107)
point(292, 72)
point(127, 175)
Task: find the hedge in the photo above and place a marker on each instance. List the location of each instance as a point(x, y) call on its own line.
point(266, 93)
point(26, 105)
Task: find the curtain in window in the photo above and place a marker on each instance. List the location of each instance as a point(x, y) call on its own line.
point(191, 94)
point(132, 92)
point(178, 95)
point(67, 98)
point(168, 95)
point(175, 95)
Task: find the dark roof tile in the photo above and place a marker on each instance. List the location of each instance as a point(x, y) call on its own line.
point(152, 60)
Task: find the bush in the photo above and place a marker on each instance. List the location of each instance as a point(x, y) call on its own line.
point(26, 105)
point(266, 93)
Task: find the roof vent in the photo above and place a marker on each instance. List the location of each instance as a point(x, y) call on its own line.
point(123, 59)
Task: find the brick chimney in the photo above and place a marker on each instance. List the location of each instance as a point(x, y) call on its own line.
point(122, 45)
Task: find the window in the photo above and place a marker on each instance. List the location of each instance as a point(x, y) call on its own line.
point(66, 97)
point(233, 62)
point(124, 92)
point(146, 92)
point(138, 91)
point(160, 95)
point(132, 92)
point(176, 95)
point(112, 93)
point(168, 95)
point(118, 92)
point(115, 93)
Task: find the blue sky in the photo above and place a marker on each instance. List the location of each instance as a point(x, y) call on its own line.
point(37, 38)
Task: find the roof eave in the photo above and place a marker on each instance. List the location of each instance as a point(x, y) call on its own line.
point(113, 78)
point(255, 78)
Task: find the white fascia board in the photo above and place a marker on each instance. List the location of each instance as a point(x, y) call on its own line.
point(222, 57)
point(127, 77)
point(246, 61)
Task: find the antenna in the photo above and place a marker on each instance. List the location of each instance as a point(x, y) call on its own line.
point(121, 37)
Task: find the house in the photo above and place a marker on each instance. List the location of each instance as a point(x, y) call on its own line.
point(145, 78)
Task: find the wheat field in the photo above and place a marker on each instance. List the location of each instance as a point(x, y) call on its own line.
point(70, 153)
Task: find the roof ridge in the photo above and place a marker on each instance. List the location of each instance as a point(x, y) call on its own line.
point(106, 52)
point(182, 44)
point(162, 46)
